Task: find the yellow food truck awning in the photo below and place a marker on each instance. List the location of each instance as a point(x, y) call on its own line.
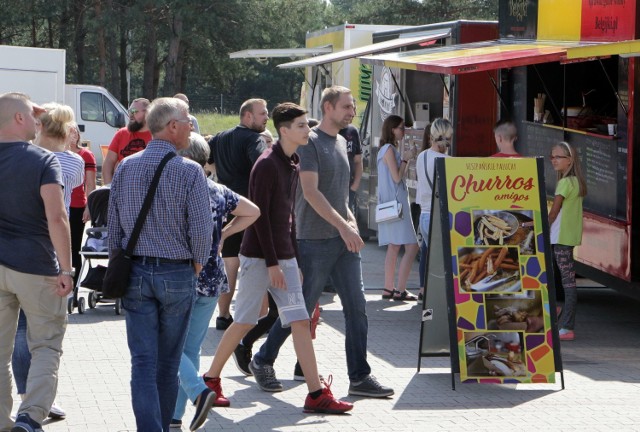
point(369, 49)
point(498, 54)
point(624, 49)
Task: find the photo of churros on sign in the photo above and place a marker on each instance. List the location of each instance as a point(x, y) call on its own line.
point(489, 269)
point(497, 227)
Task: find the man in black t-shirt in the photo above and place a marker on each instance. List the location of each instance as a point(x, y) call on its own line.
point(233, 152)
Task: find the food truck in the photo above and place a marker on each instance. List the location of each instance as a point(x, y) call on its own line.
point(318, 75)
point(561, 71)
point(417, 97)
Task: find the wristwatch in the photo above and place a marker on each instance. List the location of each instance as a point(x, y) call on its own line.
point(71, 272)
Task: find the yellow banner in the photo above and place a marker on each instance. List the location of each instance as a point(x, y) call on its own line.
point(499, 272)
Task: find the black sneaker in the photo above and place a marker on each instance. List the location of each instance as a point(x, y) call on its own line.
point(203, 406)
point(223, 323)
point(265, 377)
point(298, 375)
point(242, 357)
point(369, 387)
point(24, 423)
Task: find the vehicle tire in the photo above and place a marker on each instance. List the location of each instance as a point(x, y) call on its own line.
point(70, 305)
point(118, 306)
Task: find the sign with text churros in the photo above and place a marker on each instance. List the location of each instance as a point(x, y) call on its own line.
point(495, 240)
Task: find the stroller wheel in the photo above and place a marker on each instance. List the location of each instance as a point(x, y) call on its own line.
point(118, 307)
point(81, 305)
point(93, 300)
point(70, 305)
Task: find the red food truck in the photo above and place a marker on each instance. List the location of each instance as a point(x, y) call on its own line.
point(582, 56)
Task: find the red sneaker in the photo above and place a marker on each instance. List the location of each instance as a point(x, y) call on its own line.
point(567, 335)
point(214, 384)
point(326, 403)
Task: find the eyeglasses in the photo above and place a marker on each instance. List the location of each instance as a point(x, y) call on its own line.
point(558, 157)
point(134, 111)
point(180, 121)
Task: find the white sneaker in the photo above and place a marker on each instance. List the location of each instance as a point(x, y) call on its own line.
point(56, 412)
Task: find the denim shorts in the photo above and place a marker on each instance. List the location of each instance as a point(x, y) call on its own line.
point(253, 283)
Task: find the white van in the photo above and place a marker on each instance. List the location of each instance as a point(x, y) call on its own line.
point(40, 73)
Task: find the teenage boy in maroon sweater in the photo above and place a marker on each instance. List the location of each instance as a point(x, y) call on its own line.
point(268, 258)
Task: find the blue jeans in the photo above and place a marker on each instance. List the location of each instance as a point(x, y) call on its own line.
point(319, 260)
point(425, 219)
point(21, 358)
point(191, 383)
point(158, 302)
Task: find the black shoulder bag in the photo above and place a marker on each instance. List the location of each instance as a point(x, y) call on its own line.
point(116, 280)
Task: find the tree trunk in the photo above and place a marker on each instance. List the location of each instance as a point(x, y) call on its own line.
point(112, 48)
point(123, 65)
point(182, 67)
point(79, 37)
point(149, 83)
point(65, 19)
point(172, 69)
point(101, 43)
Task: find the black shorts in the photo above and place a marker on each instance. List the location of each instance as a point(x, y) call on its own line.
point(231, 246)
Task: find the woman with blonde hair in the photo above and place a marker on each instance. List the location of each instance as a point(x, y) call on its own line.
point(440, 136)
point(394, 234)
point(52, 134)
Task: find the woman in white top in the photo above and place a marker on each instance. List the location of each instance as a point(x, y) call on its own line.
point(440, 136)
point(52, 135)
point(398, 233)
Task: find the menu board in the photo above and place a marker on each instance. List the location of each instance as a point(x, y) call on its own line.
point(496, 259)
point(607, 20)
point(518, 19)
point(604, 172)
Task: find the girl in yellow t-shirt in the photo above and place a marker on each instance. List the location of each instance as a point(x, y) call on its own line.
point(565, 218)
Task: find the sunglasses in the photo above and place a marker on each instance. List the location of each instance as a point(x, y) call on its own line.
point(558, 157)
point(134, 111)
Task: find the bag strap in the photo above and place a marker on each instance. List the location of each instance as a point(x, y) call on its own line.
point(426, 172)
point(146, 206)
point(400, 183)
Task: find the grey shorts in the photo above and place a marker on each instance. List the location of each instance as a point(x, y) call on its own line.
point(253, 283)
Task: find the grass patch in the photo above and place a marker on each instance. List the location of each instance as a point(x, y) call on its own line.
point(213, 123)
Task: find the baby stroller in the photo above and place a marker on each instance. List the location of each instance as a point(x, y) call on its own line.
point(95, 248)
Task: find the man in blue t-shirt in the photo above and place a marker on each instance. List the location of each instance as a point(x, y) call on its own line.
point(35, 260)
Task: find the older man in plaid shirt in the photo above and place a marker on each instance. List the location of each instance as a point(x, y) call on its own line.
point(173, 246)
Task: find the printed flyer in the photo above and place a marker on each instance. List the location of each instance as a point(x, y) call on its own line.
point(498, 269)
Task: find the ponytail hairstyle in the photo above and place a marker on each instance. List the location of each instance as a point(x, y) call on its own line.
point(441, 132)
point(55, 120)
point(425, 138)
point(575, 168)
point(390, 123)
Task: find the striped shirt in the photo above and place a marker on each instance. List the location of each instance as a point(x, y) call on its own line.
point(179, 223)
point(72, 173)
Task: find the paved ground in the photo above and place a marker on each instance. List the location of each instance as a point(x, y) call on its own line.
point(602, 376)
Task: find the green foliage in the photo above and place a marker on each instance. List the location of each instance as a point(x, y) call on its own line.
point(159, 47)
